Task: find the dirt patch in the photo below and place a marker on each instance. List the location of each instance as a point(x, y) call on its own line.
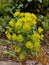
point(41, 59)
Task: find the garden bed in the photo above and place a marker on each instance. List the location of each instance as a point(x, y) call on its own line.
point(24, 40)
point(42, 57)
point(24, 32)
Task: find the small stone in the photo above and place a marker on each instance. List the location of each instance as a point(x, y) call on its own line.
point(47, 64)
point(30, 62)
point(9, 60)
point(10, 63)
point(47, 53)
point(39, 64)
point(5, 47)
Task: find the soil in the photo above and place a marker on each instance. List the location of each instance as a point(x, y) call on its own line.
point(41, 59)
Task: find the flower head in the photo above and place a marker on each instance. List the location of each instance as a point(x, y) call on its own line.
point(16, 14)
point(22, 55)
point(22, 14)
point(34, 16)
point(40, 30)
point(26, 27)
point(42, 36)
point(17, 49)
point(37, 46)
point(8, 36)
point(11, 23)
point(36, 35)
point(27, 14)
point(20, 38)
point(29, 45)
point(14, 37)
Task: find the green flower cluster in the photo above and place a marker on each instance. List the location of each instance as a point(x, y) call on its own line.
point(23, 30)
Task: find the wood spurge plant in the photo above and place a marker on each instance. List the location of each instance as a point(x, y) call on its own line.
point(24, 31)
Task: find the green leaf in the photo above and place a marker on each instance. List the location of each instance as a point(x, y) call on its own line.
point(12, 54)
point(21, 5)
point(40, 1)
point(5, 52)
point(22, 55)
point(40, 17)
point(29, 0)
